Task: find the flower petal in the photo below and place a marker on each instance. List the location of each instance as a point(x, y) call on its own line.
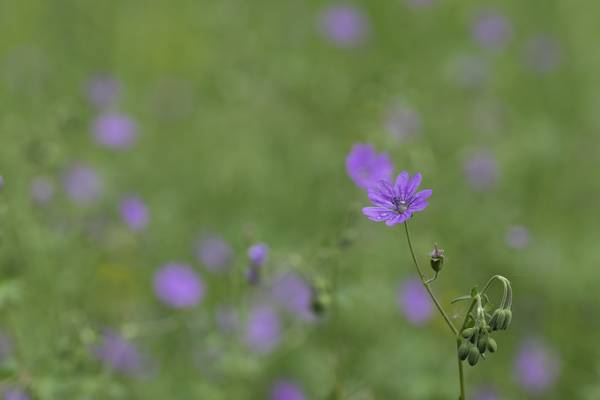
point(422, 195)
point(412, 186)
point(378, 214)
point(385, 188)
point(398, 219)
point(401, 182)
point(418, 206)
point(378, 198)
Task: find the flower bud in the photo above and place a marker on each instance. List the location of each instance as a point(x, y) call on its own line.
point(482, 344)
point(473, 356)
point(437, 258)
point(494, 321)
point(469, 332)
point(463, 351)
point(320, 303)
point(507, 319)
point(491, 345)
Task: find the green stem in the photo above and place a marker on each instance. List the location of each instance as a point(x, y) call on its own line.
point(426, 284)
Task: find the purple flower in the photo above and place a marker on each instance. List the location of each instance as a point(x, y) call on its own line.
point(134, 213)
point(103, 91)
point(214, 253)
point(343, 25)
point(536, 366)
point(403, 122)
point(258, 254)
point(42, 190)
point(82, 184)
point(294, 294)
point(263, 329)
point(491, 29)
point(482, 171)
point(15, 394)
point(286, 390)
point(366, 167)
point(414, 301)
point(485, 393)
point(119, 354)
point(115, 131)
point(396, 203)
point(542, 54)
point(517, 237)
point(178, 286)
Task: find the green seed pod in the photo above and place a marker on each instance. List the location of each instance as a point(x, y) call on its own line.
point(463, 351)
point(482, 344)
point(473, 356)
point(437, 258)
point(507, 319)
point(491, 345)
point(469, 332)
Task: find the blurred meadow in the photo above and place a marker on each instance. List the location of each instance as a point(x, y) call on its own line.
point(146, 146)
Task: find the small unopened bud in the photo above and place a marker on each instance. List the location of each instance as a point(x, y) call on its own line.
point(463, 351)
point(495, 319)
point(320, 303)
point(437, 258)
point(469, 332)
point(491, 345)
point(482, 344)
point(507, 319)
point(473, 356)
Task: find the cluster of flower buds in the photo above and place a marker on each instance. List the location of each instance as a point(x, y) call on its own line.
point(475, 339)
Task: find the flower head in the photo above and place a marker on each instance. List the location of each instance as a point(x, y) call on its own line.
point(103, 91)
point(537, 367)
point(396, 203)
point(119, 354)
point(82, 184)
point(366, 167)
point(15, 394)
point(258, 254)
point(491, 29)
point(115, 131)
point(344, 25)
point(178, 286)
point(286, 390)
point(134, 213)
point(414, 302)
point(263, 329)
point(214, 253)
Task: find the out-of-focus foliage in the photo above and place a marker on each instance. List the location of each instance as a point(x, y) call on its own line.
point(136, 135)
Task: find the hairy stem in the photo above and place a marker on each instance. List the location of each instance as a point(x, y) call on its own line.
point(426, 284)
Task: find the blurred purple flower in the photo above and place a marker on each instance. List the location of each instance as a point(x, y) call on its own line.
point(178, 286)
point(396, 203)
point(366, 167)
point(115, 131)
point(1, 182)
point(491, 29)
point(134, 213)
point(119, 354)
point(481, 170)
point(542, 54)
point(214, 253)
point(82, 184)
point(485, 393)
point(227, 319)
point(344, 25)
point(294, 294)
point(517, 237)
point(103, 91)
point(15, 394)
point(258, 254)
point(403, 122)
point(42, 190)
point(286, 390)
point(537, 367)
point(263, 329)
point(414, 301)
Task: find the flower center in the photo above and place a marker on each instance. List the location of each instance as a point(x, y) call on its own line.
point(399, 204)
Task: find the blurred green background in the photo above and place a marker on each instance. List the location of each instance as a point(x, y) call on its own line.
point(245, 112)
